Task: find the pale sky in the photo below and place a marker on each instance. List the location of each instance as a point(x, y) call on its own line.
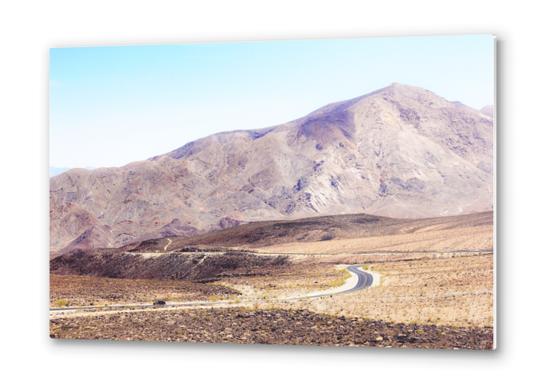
point(113, 105)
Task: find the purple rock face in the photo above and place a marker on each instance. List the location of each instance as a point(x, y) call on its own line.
point(400, 151)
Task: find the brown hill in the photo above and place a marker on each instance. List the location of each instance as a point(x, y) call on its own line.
point(401, 151)
point(211, 255)
point(324, 230)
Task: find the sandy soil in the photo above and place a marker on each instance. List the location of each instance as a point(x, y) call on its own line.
point(433, 288)
point(92, 290)
point(451, 291)
point(450, 240)
point(297, 279)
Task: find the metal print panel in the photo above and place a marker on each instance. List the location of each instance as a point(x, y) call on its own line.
point(310, 192)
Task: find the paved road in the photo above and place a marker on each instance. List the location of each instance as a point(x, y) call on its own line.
point(364, 280)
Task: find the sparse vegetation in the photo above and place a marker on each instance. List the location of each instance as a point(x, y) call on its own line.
point(340, 280)
point(61, 303)
point(326, 237)
point(428, 278)
point(443, 291)
point(92, 290)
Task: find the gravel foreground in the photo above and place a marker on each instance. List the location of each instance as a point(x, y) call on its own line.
point(299, 327)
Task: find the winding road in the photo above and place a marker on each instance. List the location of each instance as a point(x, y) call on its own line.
point(365, 279)
point(358, 280)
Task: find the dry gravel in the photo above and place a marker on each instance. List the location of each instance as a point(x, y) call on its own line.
point(447, 292)
point(93, 290)
point(267, 327)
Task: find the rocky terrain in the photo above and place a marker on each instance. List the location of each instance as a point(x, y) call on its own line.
point(432, 287)
point(70, 290)
point(255, 248)
point(299, 327)
point(450, 291)
point(400, 151)
point(304, 234)
point(196, 266)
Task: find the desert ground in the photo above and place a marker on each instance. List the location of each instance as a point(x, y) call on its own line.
point(286, 282)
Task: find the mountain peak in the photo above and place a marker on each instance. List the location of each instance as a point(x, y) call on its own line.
point(406, 89)
point(395, 86)
point(401, 151)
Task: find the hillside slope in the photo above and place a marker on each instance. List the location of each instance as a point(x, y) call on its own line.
point(326, 232)
point(401, 151)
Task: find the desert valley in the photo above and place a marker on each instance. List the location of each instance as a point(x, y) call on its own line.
point(368, 222)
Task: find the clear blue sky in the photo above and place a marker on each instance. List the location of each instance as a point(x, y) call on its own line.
point(113, 105)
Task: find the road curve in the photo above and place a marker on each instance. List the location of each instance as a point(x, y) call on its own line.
point(364, 280)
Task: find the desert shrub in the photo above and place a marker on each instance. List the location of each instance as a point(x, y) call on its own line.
point(345, 275)
point(326, 237)
point(61, 303)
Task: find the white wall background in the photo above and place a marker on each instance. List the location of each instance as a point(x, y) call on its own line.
point(28, 29)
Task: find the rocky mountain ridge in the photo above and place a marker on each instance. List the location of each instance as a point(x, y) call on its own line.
point(400, 151)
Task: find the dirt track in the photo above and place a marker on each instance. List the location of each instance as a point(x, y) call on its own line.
point(359, 280)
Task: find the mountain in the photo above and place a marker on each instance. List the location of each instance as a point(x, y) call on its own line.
point(488, 110)
point(53, 171)
point(400, 151)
